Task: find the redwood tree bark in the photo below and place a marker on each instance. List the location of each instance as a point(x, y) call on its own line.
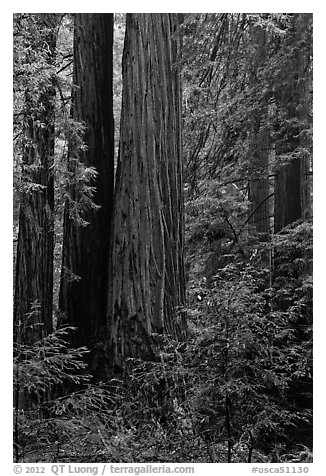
point(146, 282)
point(34, 262)
point(259, 193)
point(83, 290)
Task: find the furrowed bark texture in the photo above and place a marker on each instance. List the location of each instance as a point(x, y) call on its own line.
point(83, 291)
point(34, 262)
point(146, 290)
point(288, 195)
point(259, 209)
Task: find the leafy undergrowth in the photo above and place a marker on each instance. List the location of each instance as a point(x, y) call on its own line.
point(239, 389)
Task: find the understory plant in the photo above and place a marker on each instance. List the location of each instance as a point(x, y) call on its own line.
point(239, 389)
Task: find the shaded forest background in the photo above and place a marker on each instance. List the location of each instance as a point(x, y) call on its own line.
point(163, 237)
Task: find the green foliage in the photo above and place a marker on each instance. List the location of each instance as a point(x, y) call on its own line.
point(252, 322)
point(246, 368)
point(229, 390)
point(40, 370)
point(240, 389)
point(80, 193)
point(119, 35)
point(252, 335)
point(46, 363)
point(242, 76)
point(36, 71)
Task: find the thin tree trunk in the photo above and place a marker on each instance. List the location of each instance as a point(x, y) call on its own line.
point(228, 428)
point(146, 291)
point(34, 263)
point(83, 290)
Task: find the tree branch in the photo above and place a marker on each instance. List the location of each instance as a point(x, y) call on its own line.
point(65, 67)
point(258, 206)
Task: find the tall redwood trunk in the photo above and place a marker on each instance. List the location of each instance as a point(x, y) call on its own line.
point(288, 207)
point(83, 291)
point(34, 263)
point(259, 194)
point(146, 291)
